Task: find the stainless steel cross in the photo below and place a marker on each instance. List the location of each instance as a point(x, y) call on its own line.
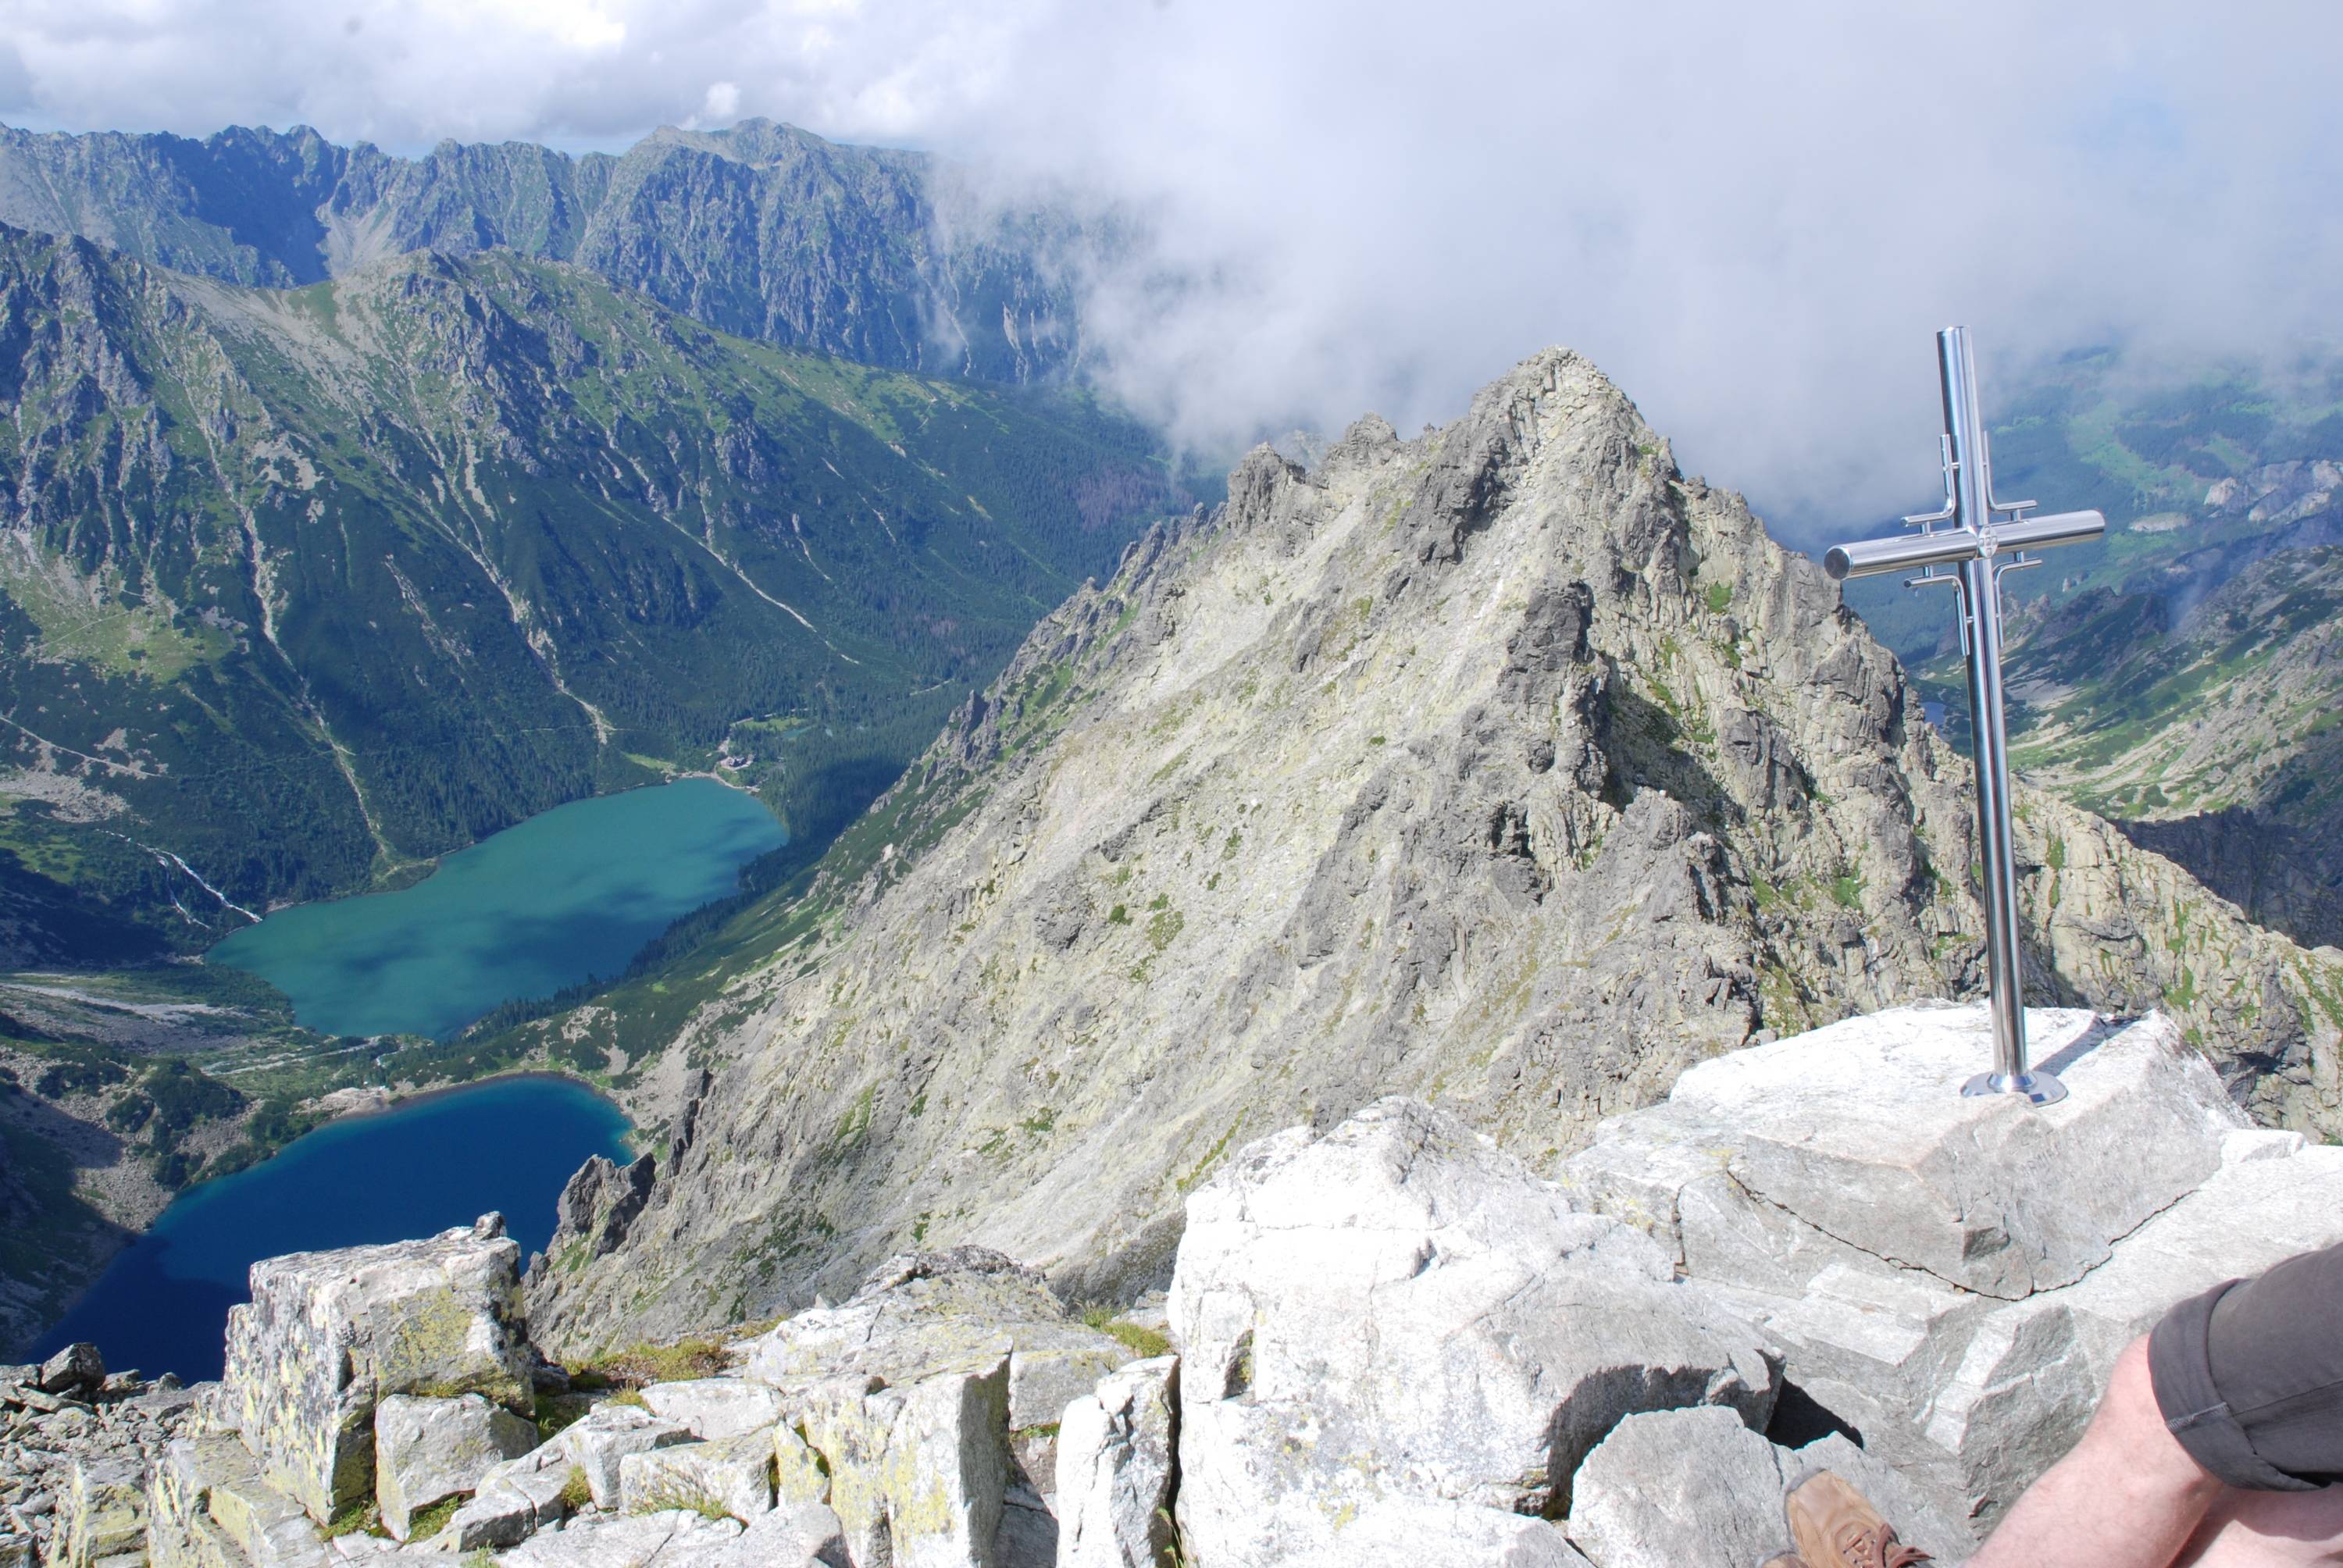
point(1965, 534)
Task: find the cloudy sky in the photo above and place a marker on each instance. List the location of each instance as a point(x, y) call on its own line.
point(1752, 216)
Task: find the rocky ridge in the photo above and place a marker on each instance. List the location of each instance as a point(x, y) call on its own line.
point(762, 229)
point(1508, 768)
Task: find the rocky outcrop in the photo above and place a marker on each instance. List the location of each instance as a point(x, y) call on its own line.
point(426, 1451)
point(599, 1202)
point(926, 1409)
point(328, 1336)
point(1507, 768)
point(1952, 1279)
point(76, 1444)
point(1116, 1458)
point(598, 1447)
point(1697, 1489)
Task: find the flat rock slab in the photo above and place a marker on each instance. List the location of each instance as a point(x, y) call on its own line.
point(1428, 1532)
point(675, 1539)
point(925, 1312)
point(806, 1536)
point(101, 1510)
point(715, 1407)
point(208, 1507)
point(1858, 1133)
point(1954, 1278)
point(1398, 1309)
point(327, 1335)
point(427, 1449)
point(2029, 1377)
point(732, 1475)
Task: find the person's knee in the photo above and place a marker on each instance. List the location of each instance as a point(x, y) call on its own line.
point(2128, 1430)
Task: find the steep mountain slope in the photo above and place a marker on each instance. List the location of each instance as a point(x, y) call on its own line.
point(762, 230)
point(2213, 735)
point(1506, 767)
point(300, 588)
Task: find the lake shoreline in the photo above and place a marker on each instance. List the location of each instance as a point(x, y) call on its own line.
point(396, 879)
point(129, 1235)
point(398, 1102)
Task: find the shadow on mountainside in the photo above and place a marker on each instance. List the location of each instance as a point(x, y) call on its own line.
point(2282, 876)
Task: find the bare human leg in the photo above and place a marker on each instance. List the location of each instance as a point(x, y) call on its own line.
point(2126, 1496)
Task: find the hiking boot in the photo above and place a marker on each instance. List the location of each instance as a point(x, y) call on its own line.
point(1836, 1527)
point(1784, 1560)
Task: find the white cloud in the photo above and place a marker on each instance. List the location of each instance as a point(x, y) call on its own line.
point(1754, 216)
point(722, 105)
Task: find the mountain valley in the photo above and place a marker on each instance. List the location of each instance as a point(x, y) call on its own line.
point(2178, 679)
point(307, 587)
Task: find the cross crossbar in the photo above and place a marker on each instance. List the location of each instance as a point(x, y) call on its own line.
point(1966, 535)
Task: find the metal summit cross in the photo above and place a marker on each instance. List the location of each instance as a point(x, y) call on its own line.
point(1965, 534)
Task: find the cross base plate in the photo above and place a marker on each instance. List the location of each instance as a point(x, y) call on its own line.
point(2037, 1088)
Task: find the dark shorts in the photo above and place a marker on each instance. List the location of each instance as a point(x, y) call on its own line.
point(2249, 1375)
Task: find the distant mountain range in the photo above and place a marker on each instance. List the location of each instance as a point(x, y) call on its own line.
point(763, 230)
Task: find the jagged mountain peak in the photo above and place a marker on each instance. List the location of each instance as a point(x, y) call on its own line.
point(758, 140)
point(1504, 765)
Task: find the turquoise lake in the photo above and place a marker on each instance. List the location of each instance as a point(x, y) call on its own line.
point(570, 894)
point(508, 1145)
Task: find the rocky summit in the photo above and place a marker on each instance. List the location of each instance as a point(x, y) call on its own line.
point(1389, 1342)
point(1507, 768)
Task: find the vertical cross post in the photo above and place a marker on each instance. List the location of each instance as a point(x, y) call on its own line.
point(1965, 535)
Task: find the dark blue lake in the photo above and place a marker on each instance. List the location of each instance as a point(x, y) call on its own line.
point(445, 1161)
